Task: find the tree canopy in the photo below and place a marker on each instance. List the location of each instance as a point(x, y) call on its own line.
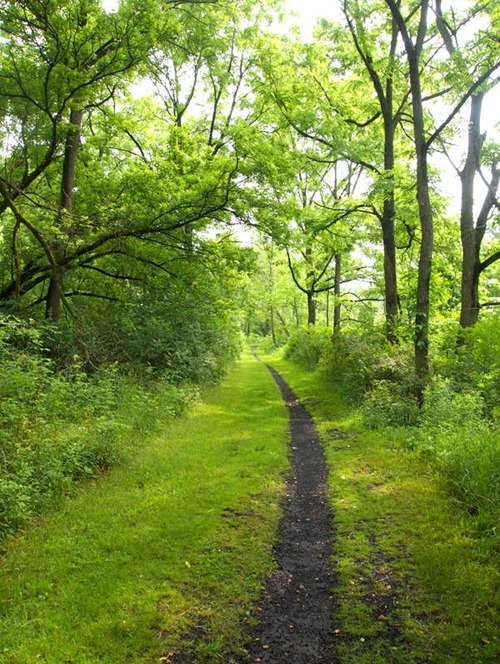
point(140, 145)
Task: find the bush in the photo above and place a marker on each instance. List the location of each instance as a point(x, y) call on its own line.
point(372, 369)
point(455, 435)
point(388, 404)
point(474, 365)
point(308, 345)
point(192, 340)
point(59, 428)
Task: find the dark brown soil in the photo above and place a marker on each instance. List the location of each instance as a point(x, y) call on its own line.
point(296, 612)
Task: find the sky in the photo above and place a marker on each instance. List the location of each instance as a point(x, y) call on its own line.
point(310, 10)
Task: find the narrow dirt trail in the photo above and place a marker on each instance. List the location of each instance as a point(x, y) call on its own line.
point(296, 612)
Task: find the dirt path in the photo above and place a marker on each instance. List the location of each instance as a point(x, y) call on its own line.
point(296, 612)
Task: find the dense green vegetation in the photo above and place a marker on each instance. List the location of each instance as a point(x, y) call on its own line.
point(177, 175)
point(167, 553)
point(456, 428)
point(61, 426)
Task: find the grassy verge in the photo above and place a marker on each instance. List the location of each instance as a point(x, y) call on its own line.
point(166, 554)
point(414, 583)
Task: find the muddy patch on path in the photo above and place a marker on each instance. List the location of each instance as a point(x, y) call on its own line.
point(295, 616)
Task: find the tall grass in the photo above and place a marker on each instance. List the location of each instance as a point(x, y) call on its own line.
point(465, 446)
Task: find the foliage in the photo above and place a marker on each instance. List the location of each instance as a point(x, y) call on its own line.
point(464, 447)
point(390, 404)
point(308, 345)
point(61, 427)
point(370, 372)
point(358, 364)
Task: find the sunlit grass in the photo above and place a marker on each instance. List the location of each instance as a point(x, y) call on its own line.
point(402, 540)
point(167, 553)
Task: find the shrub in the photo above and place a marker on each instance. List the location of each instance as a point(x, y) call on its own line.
point(370, 368)
point(61, 427)
point(464, 446)
point(389, 404)
point(308, 345)
point(474, 365)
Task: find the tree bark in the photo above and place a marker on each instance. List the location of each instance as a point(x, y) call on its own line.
point(392, 306)
point(469, 309)
point(311, 308)
point(54, 295)
point(69, 164)
point(472, 230)
point(337, 305)
point(421, 339)
point(384, 89)
point(271, 322)
point(55, 292)
point(283, 323)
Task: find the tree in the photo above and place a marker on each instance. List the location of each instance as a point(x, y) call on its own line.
point(146, 186)
point(414, 31)
point(57, 60)
point(473, 226)
point(382, 70)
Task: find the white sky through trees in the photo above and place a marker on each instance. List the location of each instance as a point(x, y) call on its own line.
point(307, 13)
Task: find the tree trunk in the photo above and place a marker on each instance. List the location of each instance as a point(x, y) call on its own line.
point(426, 250)
point(69, 164)
point(296, 313)
point(392, 306)
point(271, 320)
point(283, 323)
point(423, 195)
point(471, 233)
point(337, 305)
point(54, 295)
point(55, 292)
point(469, 307)
point(311, 308)
point(384, 89)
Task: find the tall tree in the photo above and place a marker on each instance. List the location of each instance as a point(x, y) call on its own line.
point(464, 60)
point(415, 30)
point(382, 70)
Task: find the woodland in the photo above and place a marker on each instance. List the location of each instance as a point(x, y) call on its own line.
point(179, 178)
point(182, 181)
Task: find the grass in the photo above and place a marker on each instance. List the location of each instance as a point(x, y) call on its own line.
point(415, 585)
point(166, 554)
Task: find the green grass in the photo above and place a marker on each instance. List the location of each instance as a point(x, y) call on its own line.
point(167, 553)
point(415, 585)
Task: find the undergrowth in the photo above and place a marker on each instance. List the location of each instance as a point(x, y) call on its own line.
point(59, 427)
point(458, 428)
